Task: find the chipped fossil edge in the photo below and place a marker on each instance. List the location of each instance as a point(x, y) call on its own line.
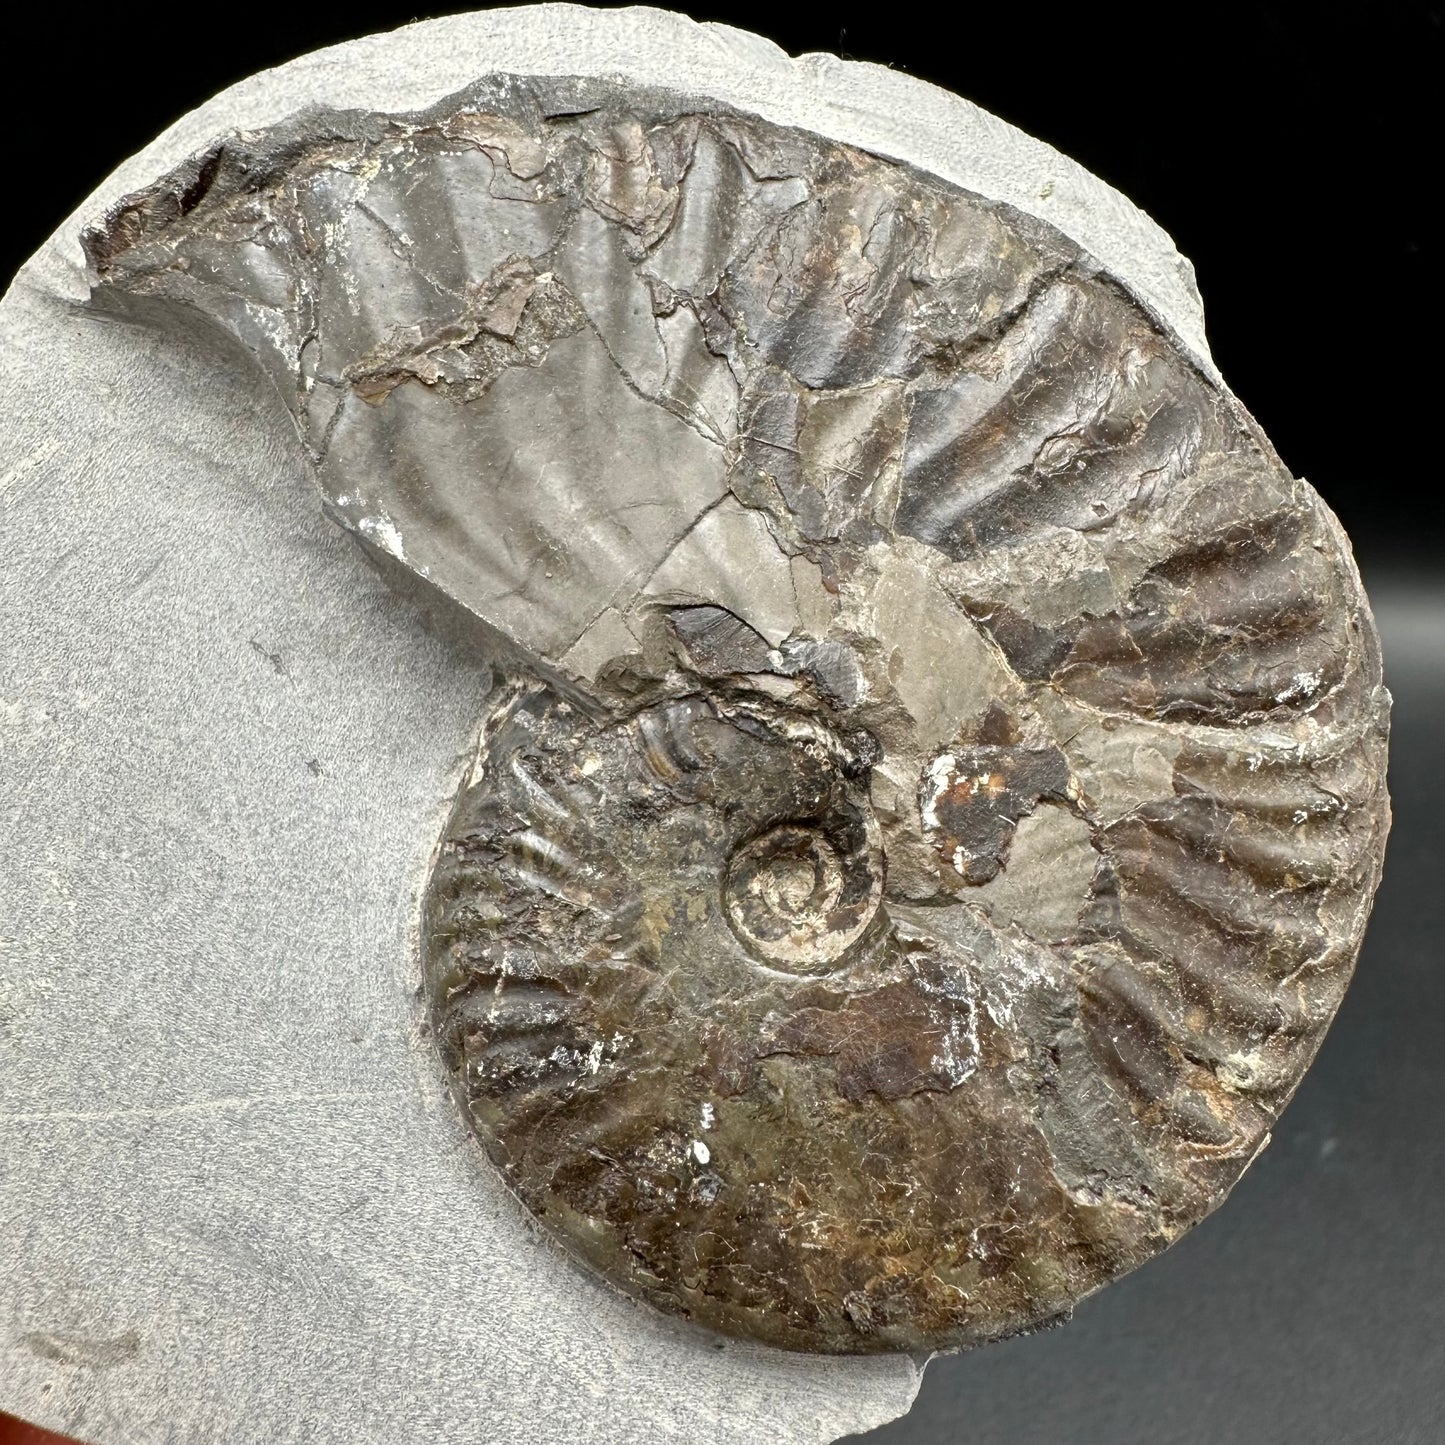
point(860, 104)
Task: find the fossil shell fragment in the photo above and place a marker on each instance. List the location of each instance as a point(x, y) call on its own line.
point(937, 792)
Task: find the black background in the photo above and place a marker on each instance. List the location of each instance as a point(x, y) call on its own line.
point(1293, 152)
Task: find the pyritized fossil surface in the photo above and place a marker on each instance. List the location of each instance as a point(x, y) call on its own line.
point(936, 790)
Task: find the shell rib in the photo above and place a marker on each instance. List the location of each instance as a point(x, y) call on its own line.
point(934, 804)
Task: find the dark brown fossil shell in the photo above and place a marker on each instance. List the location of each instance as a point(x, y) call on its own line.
point(933, 807)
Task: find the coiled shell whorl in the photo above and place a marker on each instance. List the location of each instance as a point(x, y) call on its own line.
point(932, 802)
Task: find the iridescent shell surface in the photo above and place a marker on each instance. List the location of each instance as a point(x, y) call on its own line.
point(933, 793)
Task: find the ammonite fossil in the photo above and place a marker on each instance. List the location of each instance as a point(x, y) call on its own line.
point(933, 795)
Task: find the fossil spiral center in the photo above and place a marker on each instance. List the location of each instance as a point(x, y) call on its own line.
point(790, 897)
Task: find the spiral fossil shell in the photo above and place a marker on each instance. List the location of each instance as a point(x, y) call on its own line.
point(932, 798)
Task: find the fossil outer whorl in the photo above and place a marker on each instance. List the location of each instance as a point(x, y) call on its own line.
point(938, 798)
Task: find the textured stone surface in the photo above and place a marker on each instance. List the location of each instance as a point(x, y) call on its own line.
point(933, 804)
